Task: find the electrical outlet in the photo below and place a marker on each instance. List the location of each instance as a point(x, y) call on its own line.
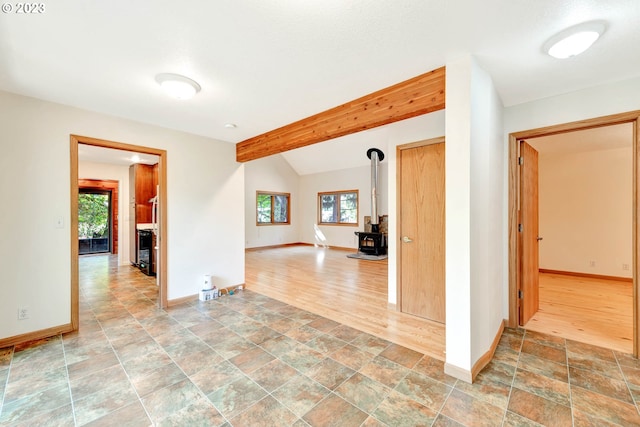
point(625, 267)
point(23, 313)
point(592, 263)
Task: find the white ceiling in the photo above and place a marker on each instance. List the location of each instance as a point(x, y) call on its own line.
point(346, 152)
point(264, 64)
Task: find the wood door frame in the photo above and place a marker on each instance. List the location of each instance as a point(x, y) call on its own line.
point(632, 117)
point(112, 187)
point(162, 182)
point(399, 149)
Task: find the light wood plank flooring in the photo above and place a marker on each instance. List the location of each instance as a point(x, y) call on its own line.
point(594, 311)
point(349, 291)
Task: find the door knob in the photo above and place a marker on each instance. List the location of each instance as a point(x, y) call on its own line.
point(539, 238)
point(405, 239)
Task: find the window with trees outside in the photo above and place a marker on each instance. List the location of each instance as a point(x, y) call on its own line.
point(273, 208)
point(338, 208)
point(94, 233)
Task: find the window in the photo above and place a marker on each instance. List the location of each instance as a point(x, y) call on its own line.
point(94, 221)
point(338, 208)
point(272, 208)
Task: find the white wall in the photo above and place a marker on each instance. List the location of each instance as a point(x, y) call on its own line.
point(458, 215)
point(487, 227)
point(618, 97)
point(613, 98)
point(205, 207)
point(586, 211)
point(274, 174)
point(346, 179)
point(474, 226)
point(120, 173)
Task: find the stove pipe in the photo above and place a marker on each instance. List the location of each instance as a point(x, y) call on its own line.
point(376, 156)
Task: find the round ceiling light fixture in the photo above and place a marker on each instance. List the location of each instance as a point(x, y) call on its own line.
point(177, 86)
point(574, 40)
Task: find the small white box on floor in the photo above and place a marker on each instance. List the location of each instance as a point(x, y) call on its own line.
point(208, 294)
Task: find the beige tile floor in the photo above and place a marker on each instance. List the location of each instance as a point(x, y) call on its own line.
point(248, 360)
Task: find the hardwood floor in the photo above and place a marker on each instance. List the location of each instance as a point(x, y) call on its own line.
point(349, 291)
point(594, 311)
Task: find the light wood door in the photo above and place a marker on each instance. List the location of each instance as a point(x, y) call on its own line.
point(528, 233)
point(422, 231)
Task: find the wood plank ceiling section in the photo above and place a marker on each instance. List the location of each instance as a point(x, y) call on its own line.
point(414, 97)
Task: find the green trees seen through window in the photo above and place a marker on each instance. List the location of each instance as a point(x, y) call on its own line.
point(272, 208)
point(93, 215)
point(339, 207)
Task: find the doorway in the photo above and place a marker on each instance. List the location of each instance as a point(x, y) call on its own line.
point(421, 251)
point(98, 202)
point(76, 143)
point(519, 274)
point(94, 222)
point(584, 188)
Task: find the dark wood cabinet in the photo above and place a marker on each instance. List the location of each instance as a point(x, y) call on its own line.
point(145, 190)
point(142, 188)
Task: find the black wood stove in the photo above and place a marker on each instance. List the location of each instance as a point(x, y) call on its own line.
point(373, 242)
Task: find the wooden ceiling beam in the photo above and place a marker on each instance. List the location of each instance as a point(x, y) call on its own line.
point(414, 97)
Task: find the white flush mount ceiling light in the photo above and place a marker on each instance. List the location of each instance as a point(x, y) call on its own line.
point(574, 40)
point(177, 86)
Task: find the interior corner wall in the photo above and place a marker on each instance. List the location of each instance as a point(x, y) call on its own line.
point(487, 226)
point(611, 98)
point(474, 224)
point(274, 174)
point(458, 215)
point(93, 170)
point(586, 212)
point(205, 207)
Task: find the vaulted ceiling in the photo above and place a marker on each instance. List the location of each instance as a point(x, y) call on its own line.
point(263, 64)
